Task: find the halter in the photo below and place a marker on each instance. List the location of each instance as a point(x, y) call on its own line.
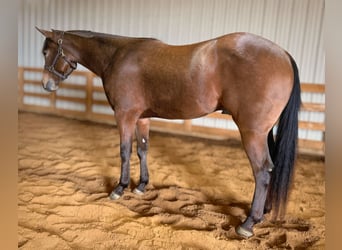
point(60, 54)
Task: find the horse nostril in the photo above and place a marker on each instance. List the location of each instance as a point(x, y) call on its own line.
point(50, 85)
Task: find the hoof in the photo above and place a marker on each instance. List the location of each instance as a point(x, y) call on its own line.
point(138, 192)
point(244, 232)
point(114, 196)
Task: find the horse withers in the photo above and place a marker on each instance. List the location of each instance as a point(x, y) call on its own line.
point(242, 74)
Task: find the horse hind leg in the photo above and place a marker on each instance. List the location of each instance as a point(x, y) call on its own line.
point(271, 146)
point(256, 147)
point(142, 136)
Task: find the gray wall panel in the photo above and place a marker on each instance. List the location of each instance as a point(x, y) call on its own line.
point(296, 25)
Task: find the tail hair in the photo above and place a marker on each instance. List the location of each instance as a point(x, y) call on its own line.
point(283, 151)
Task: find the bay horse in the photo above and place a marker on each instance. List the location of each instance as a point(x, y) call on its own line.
point(241, 74)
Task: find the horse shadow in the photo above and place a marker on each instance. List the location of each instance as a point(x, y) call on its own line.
point(192, 209)
point(186, 209)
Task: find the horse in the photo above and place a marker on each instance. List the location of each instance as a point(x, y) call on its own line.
point(241, 74)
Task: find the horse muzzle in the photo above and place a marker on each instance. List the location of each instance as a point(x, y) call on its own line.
point(50, 85)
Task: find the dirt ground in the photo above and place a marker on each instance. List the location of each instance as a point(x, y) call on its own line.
point(199, 191)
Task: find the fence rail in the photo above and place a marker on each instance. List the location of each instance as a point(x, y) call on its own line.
point(89, 103)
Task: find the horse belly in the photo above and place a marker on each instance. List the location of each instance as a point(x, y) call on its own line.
point(182, 102)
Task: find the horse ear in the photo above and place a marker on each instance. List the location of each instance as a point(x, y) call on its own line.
point(56, 31)
point(46, 33)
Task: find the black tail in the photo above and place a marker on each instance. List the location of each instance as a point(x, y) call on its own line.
point(283, 151)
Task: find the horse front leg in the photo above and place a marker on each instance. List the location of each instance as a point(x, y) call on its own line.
point(257, 150)
point(142, 136)
point(126, 125)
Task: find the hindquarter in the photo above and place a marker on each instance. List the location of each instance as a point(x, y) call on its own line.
point(257, 79)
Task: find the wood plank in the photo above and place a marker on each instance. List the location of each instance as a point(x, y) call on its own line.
point(313, 88)
point(72, 86)
point(98, 89)
point(167, 125)
point(40, 70)
point(311, 144)
point(70, 113)
point(313, 152)
point(105, 118)
point(37, 108)
point(312, 125)
point(40, 95)
point(62, 85)
point(82, 73)
point(101, 102)
point(32, 69)
point(71, 99)
point(33, 82)
point(219, 115)
point(223, 133)
point(314, 107)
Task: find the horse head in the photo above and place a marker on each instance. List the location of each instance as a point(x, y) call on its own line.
point(59, 62)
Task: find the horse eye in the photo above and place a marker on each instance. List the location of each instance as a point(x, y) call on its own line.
point(44, 52)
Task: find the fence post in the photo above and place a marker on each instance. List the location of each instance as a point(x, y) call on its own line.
point(53, 100)
point(187, 125)
point(89, 94)
point(21, 86)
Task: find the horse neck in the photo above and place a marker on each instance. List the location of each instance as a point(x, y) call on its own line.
point(92, 52)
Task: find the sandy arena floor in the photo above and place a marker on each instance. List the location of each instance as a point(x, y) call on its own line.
point(199, 191)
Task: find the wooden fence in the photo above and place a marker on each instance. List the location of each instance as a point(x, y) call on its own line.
point(90, 98)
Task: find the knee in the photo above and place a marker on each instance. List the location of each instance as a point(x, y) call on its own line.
point(125, 152)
